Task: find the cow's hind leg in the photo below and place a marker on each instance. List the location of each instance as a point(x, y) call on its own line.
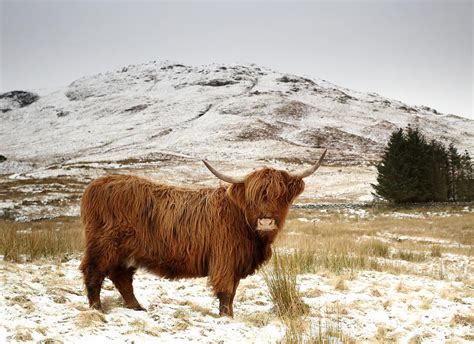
point(93, 279)
point(123, 278)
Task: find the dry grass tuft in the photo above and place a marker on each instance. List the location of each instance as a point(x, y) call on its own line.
point(436, 251)
point(314, 292)
point(385, 335)
point(387, 304)
point(51, 341)
point(203, 310)
point(426, 303)
point(417, 339)
point(469, 337)
point(59, 290)
point(284, 293)
point(326, 331)
point(111, 302)
point(258, 319)
point(60, 299)
point(180, 314)
point(375, 248)
point(181, 326)
point(140, 326)
point(402, 288)
point(464, 320)
point(296, 332)
point(22, 301)
point(23, 335)
point(90, 318)
point(376, 293)
point(410, 256)
point(340, 284)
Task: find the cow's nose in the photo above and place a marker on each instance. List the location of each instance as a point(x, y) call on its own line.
point(266, 224)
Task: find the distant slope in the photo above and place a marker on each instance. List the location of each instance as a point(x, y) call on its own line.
point(217, 112)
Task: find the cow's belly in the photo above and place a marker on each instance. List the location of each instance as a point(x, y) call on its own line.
point(172, 268)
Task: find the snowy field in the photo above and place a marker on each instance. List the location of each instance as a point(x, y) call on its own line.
point(425, 297)
point(56, 192)
point(367, 274)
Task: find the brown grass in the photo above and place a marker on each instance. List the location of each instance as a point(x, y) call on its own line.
point(340, 284)
point(375, 248)
point(385, 335)
point(341, 244)
point(40, 239)
point(464, 320)
point(326, 330)
point(90, 318)
point(140, 326)
point(258, 319)
point(410, 256)
point(198, 308)
point(23, 301)
point(458, 228)
point(23, 335)
point(436, 251)
point(284, 293)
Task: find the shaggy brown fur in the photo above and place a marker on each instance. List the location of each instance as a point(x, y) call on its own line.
point(132, 222)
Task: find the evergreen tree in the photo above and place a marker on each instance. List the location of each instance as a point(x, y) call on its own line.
point(414, 170)
point(391, 182)
point(454, 169)
point(417, 169)
point(465, 182)
point(437, 173)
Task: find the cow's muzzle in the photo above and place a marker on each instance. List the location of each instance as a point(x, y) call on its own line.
point(266, 225)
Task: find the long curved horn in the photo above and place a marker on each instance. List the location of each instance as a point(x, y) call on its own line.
point(310, 170)
point(221, 176)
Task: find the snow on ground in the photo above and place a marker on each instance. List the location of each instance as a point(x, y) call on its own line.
point(159, 120)
point(44, 300)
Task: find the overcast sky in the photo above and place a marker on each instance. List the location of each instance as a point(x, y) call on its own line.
point(420, 52)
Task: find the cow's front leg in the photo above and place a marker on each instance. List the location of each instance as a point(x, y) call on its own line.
point(225, 304)
point(226, 300)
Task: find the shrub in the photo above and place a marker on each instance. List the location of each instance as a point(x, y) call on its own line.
point(284, 293)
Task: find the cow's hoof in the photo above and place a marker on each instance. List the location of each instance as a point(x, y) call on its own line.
point(97, 307)
point(137, 308)
point(226, 314)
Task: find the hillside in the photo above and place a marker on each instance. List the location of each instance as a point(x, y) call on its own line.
point(217, 112)
point(162, 118)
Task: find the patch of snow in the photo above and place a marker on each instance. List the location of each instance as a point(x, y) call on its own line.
point(48, 300)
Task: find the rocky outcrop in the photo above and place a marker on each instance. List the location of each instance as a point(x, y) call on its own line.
point(16, 99)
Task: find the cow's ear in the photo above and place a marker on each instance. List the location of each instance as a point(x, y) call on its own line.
point(236, 193)
point(295, 187)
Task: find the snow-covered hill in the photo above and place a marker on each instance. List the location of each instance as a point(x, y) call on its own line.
point(160, 119)
point(218, 112)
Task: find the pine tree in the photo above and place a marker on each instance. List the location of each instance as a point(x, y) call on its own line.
point(414, 170)
point(465, 183)
point(454, 168)
point(437, 161)
point(389, 170)
point(417, 169)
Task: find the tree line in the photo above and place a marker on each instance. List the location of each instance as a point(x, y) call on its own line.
point(414, 169)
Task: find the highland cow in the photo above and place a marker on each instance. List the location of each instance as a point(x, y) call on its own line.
point(224, 233)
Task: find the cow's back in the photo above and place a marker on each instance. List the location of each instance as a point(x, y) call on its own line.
point(110, 200)
point(166, 229)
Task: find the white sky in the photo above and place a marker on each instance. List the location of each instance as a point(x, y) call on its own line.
point(420, 52)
